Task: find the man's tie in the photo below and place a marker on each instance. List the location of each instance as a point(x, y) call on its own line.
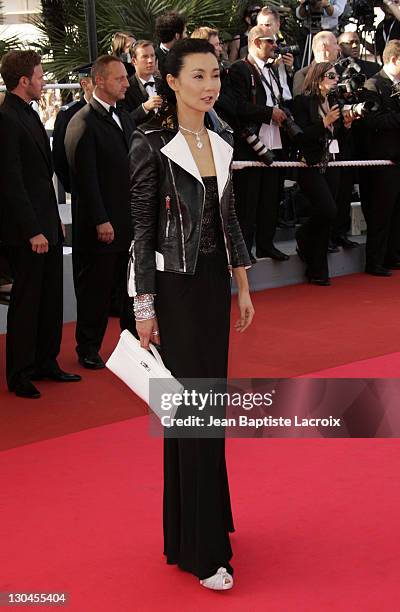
point(149, 84)
point(113, 110)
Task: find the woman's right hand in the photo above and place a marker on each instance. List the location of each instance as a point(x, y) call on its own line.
point(148, 332)
point(332, 115)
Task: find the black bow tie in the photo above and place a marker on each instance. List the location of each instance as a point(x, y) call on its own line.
point(149, 84)
point(113, 110)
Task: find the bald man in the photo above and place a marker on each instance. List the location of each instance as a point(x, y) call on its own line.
point(325, 49)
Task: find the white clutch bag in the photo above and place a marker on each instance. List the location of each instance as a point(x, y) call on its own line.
point(137, 368)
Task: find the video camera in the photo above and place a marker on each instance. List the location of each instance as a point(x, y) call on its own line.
point(314, 14)
point(363, 11)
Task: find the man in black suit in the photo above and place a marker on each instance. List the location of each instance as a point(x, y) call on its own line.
point(170, 27)
point(350, 46)
point(258, 191)
point(63, 118)
point(32, 232)
point(349, 43)
point(380, 188)
point(96, 144)
point(141, 98)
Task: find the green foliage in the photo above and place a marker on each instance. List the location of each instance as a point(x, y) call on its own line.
point(65, 46)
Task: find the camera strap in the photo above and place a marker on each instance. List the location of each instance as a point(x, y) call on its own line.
point(255, 70)
point(386, 36)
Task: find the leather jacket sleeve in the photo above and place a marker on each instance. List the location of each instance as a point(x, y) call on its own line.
point(239, 254)
point(144, 173)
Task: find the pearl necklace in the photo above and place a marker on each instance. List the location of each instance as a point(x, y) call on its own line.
point(199, 144)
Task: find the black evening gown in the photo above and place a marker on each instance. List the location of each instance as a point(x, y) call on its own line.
point(193, 314)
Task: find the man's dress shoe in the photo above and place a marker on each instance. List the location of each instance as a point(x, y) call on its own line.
point(322, 282)
point(344, 242)
point(378, 270)
point(393, 265)
point(92, 362)
point(27, 390)
point(57, 376)
point(273, 253)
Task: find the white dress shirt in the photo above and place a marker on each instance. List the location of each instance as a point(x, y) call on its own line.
point(107, 107)
point(269, 134)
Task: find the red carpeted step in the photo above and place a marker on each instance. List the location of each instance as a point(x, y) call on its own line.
point(297, 330)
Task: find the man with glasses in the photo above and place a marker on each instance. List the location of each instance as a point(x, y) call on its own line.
point(258, 94)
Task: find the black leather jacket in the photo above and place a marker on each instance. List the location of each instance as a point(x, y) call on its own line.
point(167, 200)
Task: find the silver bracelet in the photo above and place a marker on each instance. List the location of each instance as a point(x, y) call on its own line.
point(143, 307)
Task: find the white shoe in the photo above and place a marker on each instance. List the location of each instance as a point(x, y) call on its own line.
point(221, 581)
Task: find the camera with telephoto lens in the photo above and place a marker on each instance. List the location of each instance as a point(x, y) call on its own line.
point(285, 49)
point(289, 125)
point(265, 155)
point(349, 91)
point(363, 11)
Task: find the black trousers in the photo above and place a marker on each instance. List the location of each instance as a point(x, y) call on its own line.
point(193, 314)
point(341, 223)
point(34, 320)
point(380, 202)
point(258, 192)
point(95, 277)
point(313, 236)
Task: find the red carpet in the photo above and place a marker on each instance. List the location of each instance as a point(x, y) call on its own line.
point(316, 520)
point(297, 330)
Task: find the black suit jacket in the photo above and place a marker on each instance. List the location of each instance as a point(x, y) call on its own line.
point(249, 113)
point(64, 116)
point(383, 138)
point(161, 56)
point(314, 140)
point(97, 153)
point(30, 207)
point(368, 68)
point(134, 98)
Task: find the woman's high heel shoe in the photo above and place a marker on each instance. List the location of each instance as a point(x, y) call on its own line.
point(221, 581)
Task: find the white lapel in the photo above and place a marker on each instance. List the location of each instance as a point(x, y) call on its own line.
point(179, 152)
point(222, 152)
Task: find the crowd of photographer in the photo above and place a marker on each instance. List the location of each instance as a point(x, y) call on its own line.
point(339, 107)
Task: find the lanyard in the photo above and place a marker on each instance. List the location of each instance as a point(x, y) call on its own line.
point(276, 101)
point(386, 37)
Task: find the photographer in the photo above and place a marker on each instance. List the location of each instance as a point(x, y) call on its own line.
point(258, 94)
point(322, 123)
point(329, 10)
point(269, 18)
point(239, 44)
point(388, 28)
point(325, 49)
point(380, 187)
point(349, 43)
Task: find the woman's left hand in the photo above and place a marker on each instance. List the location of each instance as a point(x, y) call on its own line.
point(246, 311)
point(349, 117)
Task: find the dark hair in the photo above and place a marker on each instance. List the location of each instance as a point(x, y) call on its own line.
point(314, 77)
point(16, 64)
point(102, 63)
point(168, 24)
point(176, 57)
point(392, 49)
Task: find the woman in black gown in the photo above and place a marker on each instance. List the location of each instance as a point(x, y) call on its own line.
point(186, 242)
